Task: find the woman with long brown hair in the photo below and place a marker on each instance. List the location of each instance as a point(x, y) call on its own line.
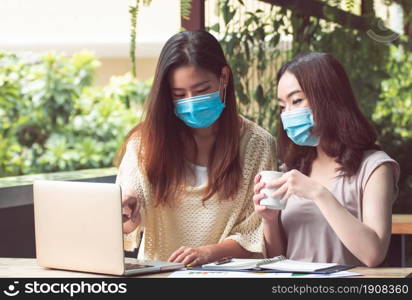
point(338, 185)
point(187, 169)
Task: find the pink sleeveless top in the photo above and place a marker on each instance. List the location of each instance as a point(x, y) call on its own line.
point(309, 236)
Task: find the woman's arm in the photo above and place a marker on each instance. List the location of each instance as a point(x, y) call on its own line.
point(274, 237)
point(367, 240)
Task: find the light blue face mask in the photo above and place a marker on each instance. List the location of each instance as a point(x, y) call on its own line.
point(200, 111)
point(298, 123)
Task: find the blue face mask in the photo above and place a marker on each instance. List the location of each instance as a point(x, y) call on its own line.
point(298, 123)
point(200, 111)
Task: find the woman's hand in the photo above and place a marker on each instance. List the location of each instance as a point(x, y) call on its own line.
point(130, 211)
point(298, 184)
point(192, 256)
point(291, 183)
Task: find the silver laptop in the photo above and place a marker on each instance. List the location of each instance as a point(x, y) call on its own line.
point(78, 227)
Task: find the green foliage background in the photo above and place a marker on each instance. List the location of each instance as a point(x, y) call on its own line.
point(52, 119)
point(380, 73)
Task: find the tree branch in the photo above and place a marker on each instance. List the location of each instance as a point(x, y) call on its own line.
point(329, 13)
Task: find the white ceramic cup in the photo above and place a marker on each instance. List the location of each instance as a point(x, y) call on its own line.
point(271, 202)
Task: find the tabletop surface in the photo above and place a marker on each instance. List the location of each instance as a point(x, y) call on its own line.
point(27, 267)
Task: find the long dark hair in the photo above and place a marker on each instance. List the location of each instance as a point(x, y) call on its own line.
point(163, 136)
point(344, 131)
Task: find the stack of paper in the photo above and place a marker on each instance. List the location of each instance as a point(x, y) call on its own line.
point(235, 274)
point(275, 264)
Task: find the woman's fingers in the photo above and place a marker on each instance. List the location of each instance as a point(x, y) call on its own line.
point(125, 218)
point(129, 202)
point(136, 211)
point(195, 262)
point(129, 205)
point(176, 253)
point(183, 255)
point(280, 191)
point(277, 182)
point(261, 209)
point(287, 195)
point(258, 187)
point(189, 259)
point(126, 212)
point(257, 178)
point(257, 198)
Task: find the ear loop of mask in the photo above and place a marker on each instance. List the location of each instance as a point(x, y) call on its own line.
point(224, 92)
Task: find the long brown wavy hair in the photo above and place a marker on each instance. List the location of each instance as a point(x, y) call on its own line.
point(163, 137)
point(344, 131)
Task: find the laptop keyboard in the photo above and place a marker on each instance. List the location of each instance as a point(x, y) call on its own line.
point(130, 266)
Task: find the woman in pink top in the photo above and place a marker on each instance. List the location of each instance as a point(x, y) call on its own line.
point(339, 186)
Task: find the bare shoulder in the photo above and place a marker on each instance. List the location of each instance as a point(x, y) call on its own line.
point(381, 184)
point(382, 173)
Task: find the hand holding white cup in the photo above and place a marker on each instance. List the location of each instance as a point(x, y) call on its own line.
point(271, 202)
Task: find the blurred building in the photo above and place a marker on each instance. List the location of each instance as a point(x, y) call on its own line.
point(102, 26)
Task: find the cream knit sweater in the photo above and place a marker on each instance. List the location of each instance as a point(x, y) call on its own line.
point(189, 223)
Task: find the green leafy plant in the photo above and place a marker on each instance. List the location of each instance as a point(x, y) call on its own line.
point(54, 120)
point(133, 12)
point(380, 78)
point(393, 115)
point(185, 7)
point(395, 106)
point(365, 74)
point(254, 56)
